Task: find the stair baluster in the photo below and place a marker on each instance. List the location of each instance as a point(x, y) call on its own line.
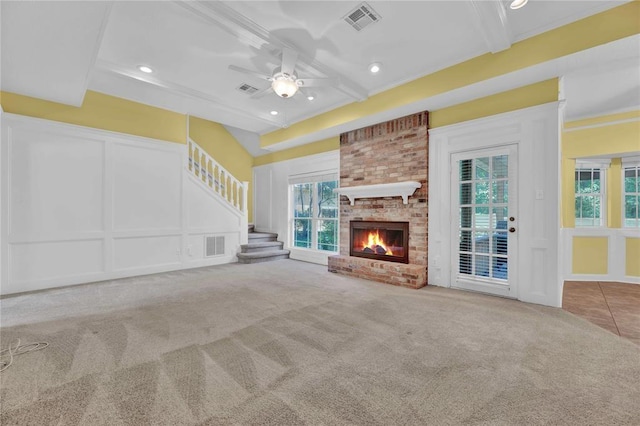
point(211, 173)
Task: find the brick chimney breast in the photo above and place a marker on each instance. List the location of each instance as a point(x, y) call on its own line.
point(394, 151)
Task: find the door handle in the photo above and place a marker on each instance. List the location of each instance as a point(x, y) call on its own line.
point(512, 229)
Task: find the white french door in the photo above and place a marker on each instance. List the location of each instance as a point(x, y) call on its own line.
point(484, 234)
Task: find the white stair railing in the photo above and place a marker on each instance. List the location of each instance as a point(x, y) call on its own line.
point(205, 168)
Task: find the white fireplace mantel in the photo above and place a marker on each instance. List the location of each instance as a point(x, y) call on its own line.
point(398, 189)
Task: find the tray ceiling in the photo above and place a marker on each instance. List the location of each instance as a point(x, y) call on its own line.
point(57, 50)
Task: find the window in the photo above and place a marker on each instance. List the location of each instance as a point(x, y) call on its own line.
point(589, 190)
point(631, 201)
point(314, 219)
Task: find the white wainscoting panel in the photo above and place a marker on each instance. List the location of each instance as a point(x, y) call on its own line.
point(262, 192)
point(81, 205)
point(42, 164)
point(208, 215)
point(616, 253)
point(200, 205)
point(131, 253)
point(147, 187)
point(42, 261)
point(535, 131)
point(195, 246)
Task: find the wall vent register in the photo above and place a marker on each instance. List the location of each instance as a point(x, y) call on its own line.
point(214, 246)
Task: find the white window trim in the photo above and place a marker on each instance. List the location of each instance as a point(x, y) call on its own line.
point(314, 179)
point(603, 165)
point(293, 218)
point(593, 163)
point(631, 161)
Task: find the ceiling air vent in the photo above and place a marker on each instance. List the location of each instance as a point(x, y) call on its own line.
point(247, 88)
point(362, 16)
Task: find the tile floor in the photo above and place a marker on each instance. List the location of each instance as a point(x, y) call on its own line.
point(613, 306)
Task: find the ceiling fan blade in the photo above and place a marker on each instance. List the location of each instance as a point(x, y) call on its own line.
point(261, 93)
point(246, 71)
point(289, 59)
point(317, 82)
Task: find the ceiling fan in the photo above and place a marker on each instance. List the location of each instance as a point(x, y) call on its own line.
point(284, 79)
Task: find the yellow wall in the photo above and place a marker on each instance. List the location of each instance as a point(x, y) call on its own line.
point(605, 27)
point(114, 114)
point(224, 148)
point(522, 97)
point(614, 194)
point(618, 134)
point(590, 255)
point(609, 136)
point(633, 257)
point(614, 134)
point(105, 112)
point(511, 100)
point(603, 119)
point(325, 145)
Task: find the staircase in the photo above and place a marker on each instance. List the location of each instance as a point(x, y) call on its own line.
point(262, 247)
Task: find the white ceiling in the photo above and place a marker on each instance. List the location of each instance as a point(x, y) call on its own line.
point(58, 50)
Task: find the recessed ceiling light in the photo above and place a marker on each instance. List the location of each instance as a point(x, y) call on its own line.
point(145, 68)
point(375, 67)
point(311, 97)
point(274, 112)
point(517, 4)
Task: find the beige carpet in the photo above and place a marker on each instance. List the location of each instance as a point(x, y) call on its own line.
point(288, 343)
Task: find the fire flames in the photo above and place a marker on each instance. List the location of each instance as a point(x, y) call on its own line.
point(375, 244)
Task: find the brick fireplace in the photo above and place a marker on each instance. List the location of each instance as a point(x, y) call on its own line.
point(385, 153)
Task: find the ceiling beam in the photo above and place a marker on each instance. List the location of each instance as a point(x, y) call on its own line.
point(254, 35)
point(491, 20)
point(50, 48)
point(182, 91)
point(542, 57)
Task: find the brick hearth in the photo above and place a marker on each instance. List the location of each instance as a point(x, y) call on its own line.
point(394, 151)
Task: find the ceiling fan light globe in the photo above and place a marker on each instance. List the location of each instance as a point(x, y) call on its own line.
point(284, 86)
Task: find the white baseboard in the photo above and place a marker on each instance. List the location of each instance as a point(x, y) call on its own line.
point(604, 278)
point(310, 256)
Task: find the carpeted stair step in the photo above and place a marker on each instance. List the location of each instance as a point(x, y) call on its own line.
point(263, 256)
point(260, 237)
point(264, 246)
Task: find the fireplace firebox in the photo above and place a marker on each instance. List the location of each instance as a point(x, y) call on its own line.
point(380, 240)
